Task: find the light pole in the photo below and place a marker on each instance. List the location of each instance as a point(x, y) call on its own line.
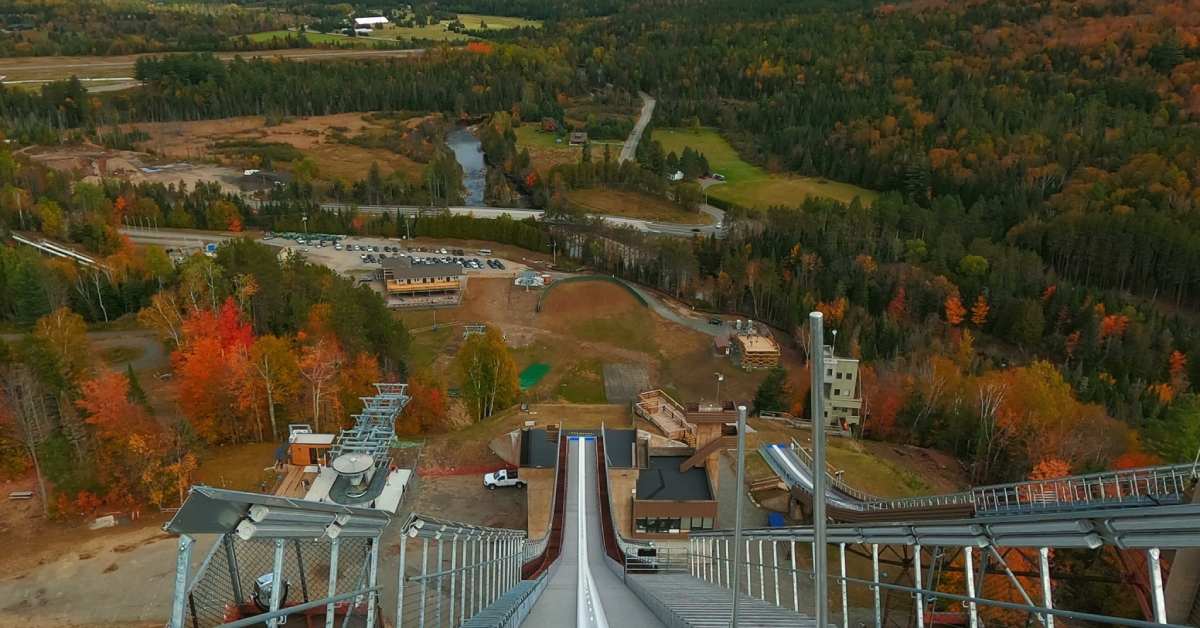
point(304, 219)
point(737, 516)
point(817, 372)
point(720, 378)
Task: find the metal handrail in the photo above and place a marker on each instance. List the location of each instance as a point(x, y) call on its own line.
point(1125, 487)
point(1132, 487)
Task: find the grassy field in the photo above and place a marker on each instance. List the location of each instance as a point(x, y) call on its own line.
point(312, 36)
point(634, 205)
point(439, 31)
point(864, 471)
point(584, 383)
point(749, 185)
point(545, 151)
point(245, 467)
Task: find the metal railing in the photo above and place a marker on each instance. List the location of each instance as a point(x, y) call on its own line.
point(455, 571)
point(1149, 486)
point(872, 502)
point(1127, 487)
point(776, 563)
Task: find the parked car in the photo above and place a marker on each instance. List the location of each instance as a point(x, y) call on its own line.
point(714, 321)
point(503, 477)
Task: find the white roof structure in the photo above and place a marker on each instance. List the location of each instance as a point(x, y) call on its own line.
point(312, 439)
point(370, 20)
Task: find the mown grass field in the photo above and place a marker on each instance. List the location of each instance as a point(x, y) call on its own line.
point(312, 36)
point(634, 205)
point(749, 185)
point(439, 32)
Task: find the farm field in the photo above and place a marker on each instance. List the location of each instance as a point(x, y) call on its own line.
point(312, 36)
point(634, 205)
point(750, 185)
point(312, 136)
point(59, 68)
point(440, 32)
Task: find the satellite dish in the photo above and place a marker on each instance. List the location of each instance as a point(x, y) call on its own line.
point(263, 587)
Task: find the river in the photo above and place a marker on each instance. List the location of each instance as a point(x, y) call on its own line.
point(469, 153)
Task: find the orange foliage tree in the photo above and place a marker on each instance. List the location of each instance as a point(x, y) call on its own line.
point(208, 364)
point(979, 311)
point(133, 455)
point(426, 410)
point(955, 312)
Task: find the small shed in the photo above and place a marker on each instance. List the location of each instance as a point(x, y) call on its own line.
point(578, 138)
point(309, 449)
point(549, 125)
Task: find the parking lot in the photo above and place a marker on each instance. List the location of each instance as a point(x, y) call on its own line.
point(359, 256)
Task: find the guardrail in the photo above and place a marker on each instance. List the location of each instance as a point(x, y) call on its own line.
point(776, 562)
point(481, 566)
point(1146, 486)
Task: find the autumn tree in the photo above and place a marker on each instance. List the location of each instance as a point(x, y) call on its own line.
point(426, 410)
point(979, 311)
point(273, 372)
point(319, 366)
point(65, 335)
point(207, 364)
point(955, 312)
point(356, 380)
point(488, 374)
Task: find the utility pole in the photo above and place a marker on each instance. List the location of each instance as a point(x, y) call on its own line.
point(737, 517)
point(816, 367)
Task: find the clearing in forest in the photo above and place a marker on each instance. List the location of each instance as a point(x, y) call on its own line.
point(749, 185)
point(634, 205)
point(327, 140)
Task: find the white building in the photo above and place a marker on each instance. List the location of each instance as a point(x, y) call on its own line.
point(374, 21)
point(843, 404)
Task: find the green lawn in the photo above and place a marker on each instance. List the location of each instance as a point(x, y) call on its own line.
point(629, 330)
point(314, 37)
point(749, 185)
point(438, 32)
point(584, 383)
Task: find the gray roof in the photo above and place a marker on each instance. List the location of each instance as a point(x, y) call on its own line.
point(403, 268)
point(538, 449)
point(618, 447)
point(662, 481)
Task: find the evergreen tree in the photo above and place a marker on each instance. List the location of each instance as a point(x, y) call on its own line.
point(772, 395)
point(136, 393)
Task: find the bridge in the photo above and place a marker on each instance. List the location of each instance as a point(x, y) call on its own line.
point(949, 559)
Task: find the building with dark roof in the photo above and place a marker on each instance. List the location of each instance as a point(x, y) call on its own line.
point(661, 489)
point(406, 284)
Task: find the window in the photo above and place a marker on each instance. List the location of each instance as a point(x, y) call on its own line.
point(829, 372)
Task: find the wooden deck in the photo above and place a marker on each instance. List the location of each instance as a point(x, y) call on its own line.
point(293, 484)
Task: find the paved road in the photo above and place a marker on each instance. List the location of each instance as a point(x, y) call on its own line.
point(559, 602)
point(635, 136)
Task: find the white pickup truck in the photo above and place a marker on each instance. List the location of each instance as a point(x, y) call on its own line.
point(503, 477)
